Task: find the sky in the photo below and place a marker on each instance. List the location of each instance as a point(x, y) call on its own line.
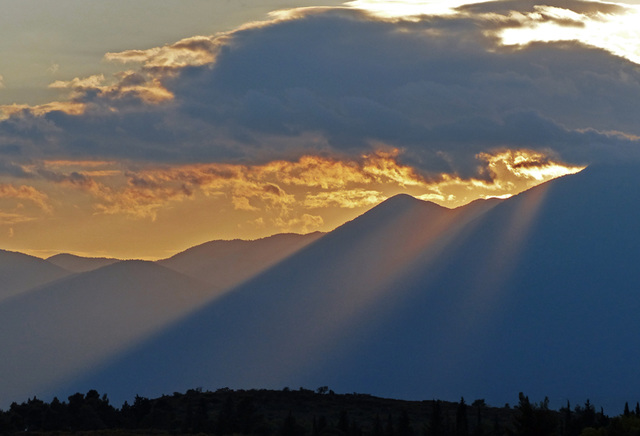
point(139, 129)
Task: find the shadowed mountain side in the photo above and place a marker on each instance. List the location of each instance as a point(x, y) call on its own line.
point(80, 264)
point(228, 263)
point(273, 329)
point(56, 331)
point(20, 272)
point(540, 296)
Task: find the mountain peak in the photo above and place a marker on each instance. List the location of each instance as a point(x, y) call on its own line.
point(78, 264)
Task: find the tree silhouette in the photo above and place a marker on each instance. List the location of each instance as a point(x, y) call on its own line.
point(479, 405)
point(290, 427)
point(462, 425)
point(404, 424)
point(533, 419)
point(436, 425)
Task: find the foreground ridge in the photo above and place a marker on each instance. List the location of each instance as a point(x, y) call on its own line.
point(303, 411)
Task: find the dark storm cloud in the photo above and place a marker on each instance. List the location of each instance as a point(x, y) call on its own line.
point(343, 82)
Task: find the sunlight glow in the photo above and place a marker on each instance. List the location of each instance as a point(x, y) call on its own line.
point(407, 9)
point(526, 164)
point(618, 34)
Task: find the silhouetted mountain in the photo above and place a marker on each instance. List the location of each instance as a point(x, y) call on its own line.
point(228, 263)
point(537, 294)
point(290, 318)
point(20, 272)
point(79, 264)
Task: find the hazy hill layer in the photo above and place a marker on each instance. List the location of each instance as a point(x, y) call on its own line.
point(537, 294)
point(50, 334)
point(79, 264)
point(19, 272)
point(228, 263)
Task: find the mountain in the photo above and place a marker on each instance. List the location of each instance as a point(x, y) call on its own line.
point(79, 264)
point(537, 293)
point(51, 333)
point(65, 321)
point(228, 263)
point(20, 272)
point(291, 317)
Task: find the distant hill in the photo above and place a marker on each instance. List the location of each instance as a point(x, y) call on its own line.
point(79, 264)
point(20, 272)
point(68, 320)
point(79, 322)
point(228, 263)
point(261, 412)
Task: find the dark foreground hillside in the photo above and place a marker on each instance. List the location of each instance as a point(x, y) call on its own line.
point(304, 412)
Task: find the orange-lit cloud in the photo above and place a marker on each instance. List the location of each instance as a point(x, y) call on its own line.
point(194, 51)
point(508, 172)
point(125, 84)
point(512, 165)
point(26, 193)
point(77, 163)
point(304, 195)
point(305, 223)
point(68, 107)
point(286, 188)
point(7, 218)
point(350, 198)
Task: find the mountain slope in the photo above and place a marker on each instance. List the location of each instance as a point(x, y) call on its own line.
point(228, 263)
point(539, 295)
point(287, 320)
point(20, 272)
point(50, 334)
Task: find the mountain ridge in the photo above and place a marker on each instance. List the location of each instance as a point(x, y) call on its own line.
point(226, 263)
point(406, 300)
point(79, 264)
point(20, 272)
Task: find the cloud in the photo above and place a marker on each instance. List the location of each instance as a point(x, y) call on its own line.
point(340, 84)
point(25, 192)
point(283, 191)
point(350, 199)
point(128, 85)
point(8, 219)
point(434, 95)
point(1, 82)
point(194, 51)
point(581, 7)
point(24, 112)
point(305, 224)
